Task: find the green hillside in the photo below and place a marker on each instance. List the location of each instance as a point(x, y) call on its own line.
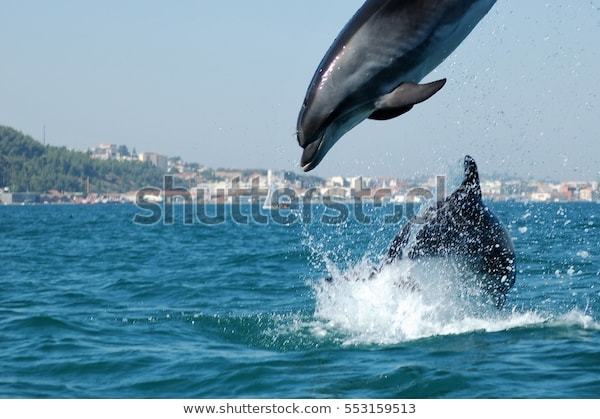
point(27, 165)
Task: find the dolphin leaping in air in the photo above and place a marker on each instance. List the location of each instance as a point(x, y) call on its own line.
point(374, 67)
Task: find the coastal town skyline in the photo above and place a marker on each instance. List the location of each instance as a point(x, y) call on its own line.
point(208, 182)
point(108, 151)
point(495, 187)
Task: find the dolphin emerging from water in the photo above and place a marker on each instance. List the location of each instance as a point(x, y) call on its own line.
point(463, 228)
point(373, 68)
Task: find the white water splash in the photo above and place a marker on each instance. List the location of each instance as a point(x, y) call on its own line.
point(583, 254)
point(412, 300)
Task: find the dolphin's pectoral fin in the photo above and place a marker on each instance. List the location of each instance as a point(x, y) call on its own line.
point(391, 113)
point(404, 98)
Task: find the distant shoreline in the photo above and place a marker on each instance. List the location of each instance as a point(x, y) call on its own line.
point(248, 204)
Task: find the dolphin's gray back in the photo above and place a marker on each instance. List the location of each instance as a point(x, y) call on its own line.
point(463, 226)
point(388, 42)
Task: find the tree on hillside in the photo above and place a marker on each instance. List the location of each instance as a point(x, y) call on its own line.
point(27, 165)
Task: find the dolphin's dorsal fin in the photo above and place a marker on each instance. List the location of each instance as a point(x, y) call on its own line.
point(403, 98)
point(471, 184)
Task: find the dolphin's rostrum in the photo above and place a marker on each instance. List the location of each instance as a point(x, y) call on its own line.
point(373, 68)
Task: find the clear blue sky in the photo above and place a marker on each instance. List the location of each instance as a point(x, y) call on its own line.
point(221, 82)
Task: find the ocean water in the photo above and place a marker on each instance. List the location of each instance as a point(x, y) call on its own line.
point(95, 306)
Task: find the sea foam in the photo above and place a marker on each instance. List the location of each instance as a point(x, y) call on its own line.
point(414, 300)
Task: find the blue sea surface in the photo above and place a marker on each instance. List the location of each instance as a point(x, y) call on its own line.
point(94, 306)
